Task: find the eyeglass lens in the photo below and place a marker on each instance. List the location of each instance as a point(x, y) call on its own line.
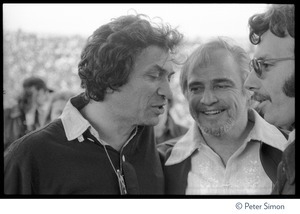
point(257, 67)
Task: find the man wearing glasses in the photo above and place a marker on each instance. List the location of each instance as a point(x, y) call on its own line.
point(272, 81)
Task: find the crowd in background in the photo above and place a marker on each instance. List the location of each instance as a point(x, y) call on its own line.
point(55, 59)
point(49, 57)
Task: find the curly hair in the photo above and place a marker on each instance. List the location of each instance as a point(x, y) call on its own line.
point(279, 19)
point(201, 57)
point(109, 55)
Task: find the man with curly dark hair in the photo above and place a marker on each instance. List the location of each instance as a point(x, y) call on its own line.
point(103, 143)
point(272, 80)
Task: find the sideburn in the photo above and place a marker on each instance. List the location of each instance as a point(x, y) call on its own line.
point(289, 86)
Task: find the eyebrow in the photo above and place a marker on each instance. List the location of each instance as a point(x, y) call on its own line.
point(195, 83)
point(215, 81)
point(223, 80)
point(162, 70)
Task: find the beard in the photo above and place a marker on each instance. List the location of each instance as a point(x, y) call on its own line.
point(218, 131)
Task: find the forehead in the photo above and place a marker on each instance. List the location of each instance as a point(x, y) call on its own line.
point(221, 65)
point(272, 46)
point(152, 56)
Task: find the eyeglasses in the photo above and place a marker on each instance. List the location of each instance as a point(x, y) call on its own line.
point(257, 64)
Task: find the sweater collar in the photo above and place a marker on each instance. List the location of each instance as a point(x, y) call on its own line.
point(262, 131)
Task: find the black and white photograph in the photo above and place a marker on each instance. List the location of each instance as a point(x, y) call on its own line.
point(149, 101)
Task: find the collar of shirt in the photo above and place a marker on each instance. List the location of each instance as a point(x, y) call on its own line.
point(292, 137)
point(261, 131)
point(75, 124)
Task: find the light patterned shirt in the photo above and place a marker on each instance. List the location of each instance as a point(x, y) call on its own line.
point(243, 173)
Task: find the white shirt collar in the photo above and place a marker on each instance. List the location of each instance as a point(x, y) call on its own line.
point(261, 131)
point(292, 137)
point(265, 132)
point(74, 123)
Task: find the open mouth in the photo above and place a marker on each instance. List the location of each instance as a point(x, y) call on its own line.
point(159, 108)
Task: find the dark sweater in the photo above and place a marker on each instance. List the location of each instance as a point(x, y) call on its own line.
point(45, 162)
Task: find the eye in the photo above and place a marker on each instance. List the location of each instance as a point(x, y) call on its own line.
point(154, 76)
point(170, 77)
point(265, 65)
point(221, 86)
point(195, 89)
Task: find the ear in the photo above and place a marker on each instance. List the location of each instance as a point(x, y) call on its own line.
point(109, 90)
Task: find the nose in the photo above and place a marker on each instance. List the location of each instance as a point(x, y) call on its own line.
point(208, 97)
point(165, 91)
point(252, 82)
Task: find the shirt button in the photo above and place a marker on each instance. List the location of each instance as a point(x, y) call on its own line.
point(123, 158)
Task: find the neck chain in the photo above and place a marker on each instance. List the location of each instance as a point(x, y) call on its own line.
point(122, 185)
point(118, 173)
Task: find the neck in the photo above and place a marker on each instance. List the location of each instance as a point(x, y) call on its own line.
point(109, 127)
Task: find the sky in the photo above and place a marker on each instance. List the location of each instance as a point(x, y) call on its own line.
point(193, 20)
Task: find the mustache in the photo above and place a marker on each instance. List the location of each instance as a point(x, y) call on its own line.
point(260, 97)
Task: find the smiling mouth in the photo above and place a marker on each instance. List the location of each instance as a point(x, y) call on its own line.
point(212, 112)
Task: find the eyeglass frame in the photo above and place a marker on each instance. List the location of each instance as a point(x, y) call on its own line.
point(258, 69)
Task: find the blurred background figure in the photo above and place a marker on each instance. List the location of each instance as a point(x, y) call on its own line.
point(167, 128)
point(29, 113)
point(57, 104)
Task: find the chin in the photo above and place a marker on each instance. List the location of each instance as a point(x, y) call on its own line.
point(218, 131)
point(150, 122)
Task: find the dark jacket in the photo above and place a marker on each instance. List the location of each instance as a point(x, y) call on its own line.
point(179, 171)
point(285, 183)
point(45, 162)
point(14, 125)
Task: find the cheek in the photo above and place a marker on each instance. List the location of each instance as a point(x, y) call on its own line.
point(274, 83)
point(241, 104)
point(193, 105)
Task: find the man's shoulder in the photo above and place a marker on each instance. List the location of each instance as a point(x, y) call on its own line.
point(289, 154)
point(37, 139)
point(52, 129)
